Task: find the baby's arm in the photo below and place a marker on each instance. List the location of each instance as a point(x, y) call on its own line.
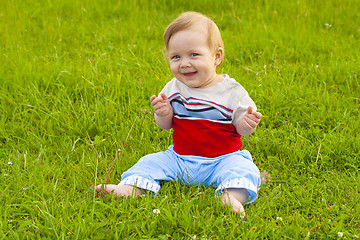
point(163, 111)
point(247, 124)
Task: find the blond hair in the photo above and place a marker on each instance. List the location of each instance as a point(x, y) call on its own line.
point(189, 19)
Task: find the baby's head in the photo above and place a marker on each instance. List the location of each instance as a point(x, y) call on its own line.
point(189, 19)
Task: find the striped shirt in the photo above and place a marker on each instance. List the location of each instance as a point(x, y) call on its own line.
point(204, 119)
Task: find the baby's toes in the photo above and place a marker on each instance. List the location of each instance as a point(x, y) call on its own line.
point(98, 188)
point(238, 208)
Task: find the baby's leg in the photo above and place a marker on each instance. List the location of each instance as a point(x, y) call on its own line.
point(235, 197)
point(119, 190)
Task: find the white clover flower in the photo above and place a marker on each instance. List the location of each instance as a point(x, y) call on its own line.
point(340, 234)
point(156, 211)
point(327, 25)
point(9, 163)
point(279, 218)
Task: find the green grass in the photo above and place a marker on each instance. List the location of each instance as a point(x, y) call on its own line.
point(76, 77)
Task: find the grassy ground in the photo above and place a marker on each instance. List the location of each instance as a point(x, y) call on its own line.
point(76, 77)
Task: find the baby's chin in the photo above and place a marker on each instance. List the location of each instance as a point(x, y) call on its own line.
point(192, 83)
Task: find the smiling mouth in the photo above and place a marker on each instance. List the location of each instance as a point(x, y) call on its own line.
point(189, 74)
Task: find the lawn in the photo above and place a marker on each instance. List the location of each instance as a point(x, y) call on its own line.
point(75, 82)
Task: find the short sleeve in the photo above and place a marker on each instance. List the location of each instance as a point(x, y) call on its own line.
point(241, 104)
point(170, 88)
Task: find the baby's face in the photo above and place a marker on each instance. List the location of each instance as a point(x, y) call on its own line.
point(191, 60)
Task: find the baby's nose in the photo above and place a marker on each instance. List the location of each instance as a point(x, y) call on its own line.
point(185, 62)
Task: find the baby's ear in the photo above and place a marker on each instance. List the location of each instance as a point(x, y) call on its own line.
point(219, 56)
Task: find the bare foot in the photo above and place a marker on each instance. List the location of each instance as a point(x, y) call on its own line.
point(119, 190)
point(235, 198)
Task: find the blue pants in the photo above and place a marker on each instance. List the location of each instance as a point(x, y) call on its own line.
point(233, 170)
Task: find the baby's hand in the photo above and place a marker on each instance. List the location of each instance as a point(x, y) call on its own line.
point(248, 123)
point(161, 105)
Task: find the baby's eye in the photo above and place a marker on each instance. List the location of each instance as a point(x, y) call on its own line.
point(175, 57)
point(194, 54)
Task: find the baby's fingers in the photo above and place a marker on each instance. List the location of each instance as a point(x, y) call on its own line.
point(152, 98)
point(156, 100)
point(251, 121)
point(257, 115)
point(164, 97)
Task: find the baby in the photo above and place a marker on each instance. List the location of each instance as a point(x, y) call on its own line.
point(208, 113)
